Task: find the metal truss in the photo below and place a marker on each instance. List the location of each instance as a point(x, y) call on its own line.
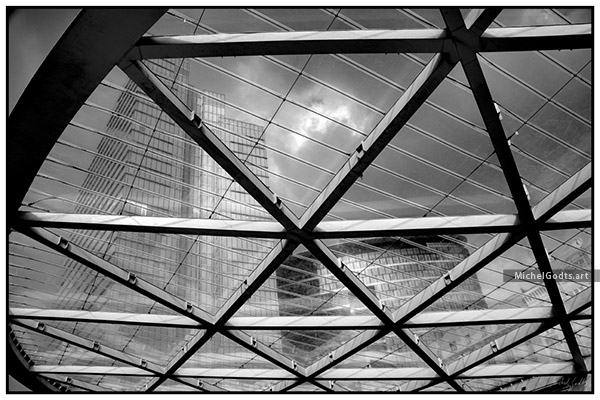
point(459, 42)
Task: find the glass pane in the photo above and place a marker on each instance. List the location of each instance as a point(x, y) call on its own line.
point(387, 352)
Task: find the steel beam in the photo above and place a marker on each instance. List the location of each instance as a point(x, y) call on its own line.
point(444, 225)
point(287, 43)
point(387, 227)
point(487, 108)
point(530, 38)
point(355, 322)
point(184, 226)
point(410, 101)
point(478, 21)
point(336, 374)
point(538, 38)
point(208, 141)
point(90, 370)
point(94, 42)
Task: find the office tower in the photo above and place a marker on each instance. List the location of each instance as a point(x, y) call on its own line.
point(145, 165)
point(395, 270)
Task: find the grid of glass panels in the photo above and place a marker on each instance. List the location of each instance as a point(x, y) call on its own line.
point(299, 320)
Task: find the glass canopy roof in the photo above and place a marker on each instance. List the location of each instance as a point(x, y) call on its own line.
point(304, 200)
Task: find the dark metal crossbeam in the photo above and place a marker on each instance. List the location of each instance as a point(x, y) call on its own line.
point(388, 227)
point(529, 38)
point(354, 322)
point(285, 43)
point(486, 105)
point(417, 374)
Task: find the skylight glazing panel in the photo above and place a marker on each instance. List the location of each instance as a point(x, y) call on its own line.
point(453, 343)
point(387, 352)
point(173, 386)
point(510, 94)
point(202, 270)
point(42, 278)
point(582, 202)
point(564, 127)
point(531, 70)
point(396, 269)
point(427, 17)
point(575, 15)
point(458, 101)
point(573, 61)
point(577, 97)
point(570, 259)
point(547, 347)
point(380, 18)
point(155, 344)
point(556, 158)
point(370, 386)
point(267, 73)
point(245, 385)
point(529, 17)
point(446, 127)
point(222, 352)
point(502, 283)
point(439, 388)
point(397, 70)
point(305, 346)
point(305, 287)
point(170, 24)
point(583, 335)
point(134, 163)
point(115, 382)
point(483, 385)
point(354, 79)
point(226, 20)
point(290, 19)
point(44, 350)
point(307, 387)
point(89, 380)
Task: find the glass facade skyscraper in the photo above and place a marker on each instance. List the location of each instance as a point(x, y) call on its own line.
point(147, 166)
